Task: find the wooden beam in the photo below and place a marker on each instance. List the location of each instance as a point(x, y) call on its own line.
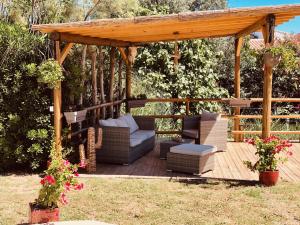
point(57, 107)
point(267, 88)
point(87, 40)
point(252, 28)
point(237, 83)
point(65, 52)
point(123, 55)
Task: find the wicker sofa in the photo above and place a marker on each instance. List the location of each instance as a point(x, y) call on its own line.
point(120, 146)
point(206, 132)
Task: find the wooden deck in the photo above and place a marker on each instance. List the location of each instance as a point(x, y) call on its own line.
point(229, 165)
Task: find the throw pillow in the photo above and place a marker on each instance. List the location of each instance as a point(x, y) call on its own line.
point(108, 123)
point(121, 123)
point(130, 122)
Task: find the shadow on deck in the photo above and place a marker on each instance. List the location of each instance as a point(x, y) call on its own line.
point(228, 166)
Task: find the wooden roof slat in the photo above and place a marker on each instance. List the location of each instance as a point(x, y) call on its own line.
point(188, 25)
point(88, 40)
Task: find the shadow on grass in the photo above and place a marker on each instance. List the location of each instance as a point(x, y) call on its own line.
point(209, 182)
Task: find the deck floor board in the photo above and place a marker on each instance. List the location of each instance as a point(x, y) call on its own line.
point(228, 165)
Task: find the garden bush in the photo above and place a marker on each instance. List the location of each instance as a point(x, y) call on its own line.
point(25, 126)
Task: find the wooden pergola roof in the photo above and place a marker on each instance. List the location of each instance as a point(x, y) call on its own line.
point(124, 32)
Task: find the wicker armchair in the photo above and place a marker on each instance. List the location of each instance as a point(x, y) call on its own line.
point(212, 132)
point(116, 143)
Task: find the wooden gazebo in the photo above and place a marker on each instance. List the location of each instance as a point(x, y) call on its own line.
point(130, 32)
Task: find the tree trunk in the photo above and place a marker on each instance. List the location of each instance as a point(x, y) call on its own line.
point(112, 78)
point(83, 68)
point(101, 82)
point(120, 85)
point(94, 84)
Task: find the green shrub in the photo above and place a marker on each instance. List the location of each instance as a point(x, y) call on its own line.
point(25, 122)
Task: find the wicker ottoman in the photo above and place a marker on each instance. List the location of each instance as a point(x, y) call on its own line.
point(191, 158)
point(167, 144)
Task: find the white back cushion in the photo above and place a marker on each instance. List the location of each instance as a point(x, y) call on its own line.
point(121, 123)
point(108, 123)
point(130, 122)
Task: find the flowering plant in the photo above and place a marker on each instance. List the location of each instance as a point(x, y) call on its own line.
point(61, 177)
point(270, 151)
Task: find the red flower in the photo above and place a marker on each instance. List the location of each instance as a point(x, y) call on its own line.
point(82, 164)
point(63, 199)
point(250, 141)
point(66, 163)
point(289, 153)
point(42, 181)
point(49, 179)
point(78, 186)
point(76, 174)
point(67, 186)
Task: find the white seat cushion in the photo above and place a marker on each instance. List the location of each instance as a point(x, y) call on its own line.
point(108, 123)
point(130, 122)
point(193, 149)
point(193, 133)
point(142, 134)
point(134, 142)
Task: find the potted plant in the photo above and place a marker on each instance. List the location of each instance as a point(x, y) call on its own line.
point(60, 178)
point(137, 101)
point(270, 152)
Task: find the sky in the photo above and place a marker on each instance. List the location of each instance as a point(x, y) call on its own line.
point(293, 26)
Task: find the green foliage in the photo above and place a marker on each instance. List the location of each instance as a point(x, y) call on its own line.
point(49, 73)
point(195, 76)
point(288, 56)
point(115, 8)
point(26, 12)
point(25, 126)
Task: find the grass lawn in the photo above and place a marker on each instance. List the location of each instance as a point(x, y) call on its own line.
point(138, 201)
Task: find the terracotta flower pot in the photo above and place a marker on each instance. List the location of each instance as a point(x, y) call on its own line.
point(37, 215)
point(268, 178)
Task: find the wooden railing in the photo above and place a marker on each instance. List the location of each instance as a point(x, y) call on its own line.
point(187, 102)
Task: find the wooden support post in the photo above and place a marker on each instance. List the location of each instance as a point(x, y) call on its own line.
point(268, 31)
point(112, 79)
point(187, 107)
point(237, 84)
point(57, 106)
point(57, 99)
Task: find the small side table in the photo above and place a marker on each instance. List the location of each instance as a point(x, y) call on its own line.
point(166, 145)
